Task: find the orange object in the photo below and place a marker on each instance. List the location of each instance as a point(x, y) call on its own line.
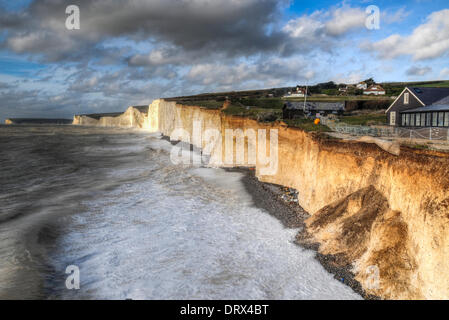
point(317, 121)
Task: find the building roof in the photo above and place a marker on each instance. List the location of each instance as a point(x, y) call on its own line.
point(432, 108)
point(292, 105)
point(375, 87)
point(316, 106)
point(443, 101)
point(326, 106)
point(430, 95)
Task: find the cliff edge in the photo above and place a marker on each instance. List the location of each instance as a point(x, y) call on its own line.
point(385, 216)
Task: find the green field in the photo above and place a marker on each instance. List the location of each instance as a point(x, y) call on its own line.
point(443, 84)
point(340, 98)
point(395, 88)
point(365, 119)
point(259, 114)
point(307, 125)
point(209, 104)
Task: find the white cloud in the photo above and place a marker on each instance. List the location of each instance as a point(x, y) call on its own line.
point(353, 77)
point(430, 40)
point(326, 24)
point(256, 74)
point(344, 20)
point(418, 71)
point(305, 27)
point(395, 17)
point(444, 72)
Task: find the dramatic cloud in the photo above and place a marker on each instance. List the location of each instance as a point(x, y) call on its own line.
point(255, 74)
point(428, 41)
point(344, 20)
point(321, 29)
point(418, 71)
point(132, 51)
point(236, 26)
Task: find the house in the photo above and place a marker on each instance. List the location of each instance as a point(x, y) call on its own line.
point(362, 85)
point(420, 107)
point(292, 110)
point(298, 93)
point(375, 90)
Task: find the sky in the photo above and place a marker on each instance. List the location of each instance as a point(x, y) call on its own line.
point(130, 52)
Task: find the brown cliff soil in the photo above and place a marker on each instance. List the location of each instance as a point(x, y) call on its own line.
point(361, 232)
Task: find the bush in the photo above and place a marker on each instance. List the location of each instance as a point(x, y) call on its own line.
point(330, 92)
point(307, 125)
point(267, 116)
point(367, 105)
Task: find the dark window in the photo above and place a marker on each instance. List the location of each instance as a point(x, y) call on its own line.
point(434, 119)
point(428, 119)
point(403, 120)
point(440, 119)
point(407, 119)
point(423, 119)
point(446, 119)
point(418, 120)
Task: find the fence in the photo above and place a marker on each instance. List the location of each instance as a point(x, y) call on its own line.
point(434, 134)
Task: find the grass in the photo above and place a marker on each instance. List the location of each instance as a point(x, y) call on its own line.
point(417, 146)
point(340, 98)
point(209, 104)
point(260, 114)
point(365, 119)
point(307, 125)
point(265, 103)
point(395, 88)
point(443, 84)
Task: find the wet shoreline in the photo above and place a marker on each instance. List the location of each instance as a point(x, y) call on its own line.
point(272, 198)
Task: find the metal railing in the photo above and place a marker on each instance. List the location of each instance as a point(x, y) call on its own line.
point(434, 134)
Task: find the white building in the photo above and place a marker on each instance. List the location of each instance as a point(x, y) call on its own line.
point(298, 93)
point(375, 90)
point(362, 86)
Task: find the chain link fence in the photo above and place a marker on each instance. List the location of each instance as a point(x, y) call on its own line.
point(434, 134)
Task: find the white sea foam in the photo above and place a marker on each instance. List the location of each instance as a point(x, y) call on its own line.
point(186, 233)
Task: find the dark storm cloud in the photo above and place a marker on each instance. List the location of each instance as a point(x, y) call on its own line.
point(236, 27)
point(132, 51)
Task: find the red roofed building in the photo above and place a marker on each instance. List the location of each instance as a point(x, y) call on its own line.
point(375, 90)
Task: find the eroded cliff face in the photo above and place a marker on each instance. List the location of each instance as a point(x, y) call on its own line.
point(370, 208)
point(131, 118)
point(388, 212)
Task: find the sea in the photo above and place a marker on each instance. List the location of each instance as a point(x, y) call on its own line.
point(102, 213)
